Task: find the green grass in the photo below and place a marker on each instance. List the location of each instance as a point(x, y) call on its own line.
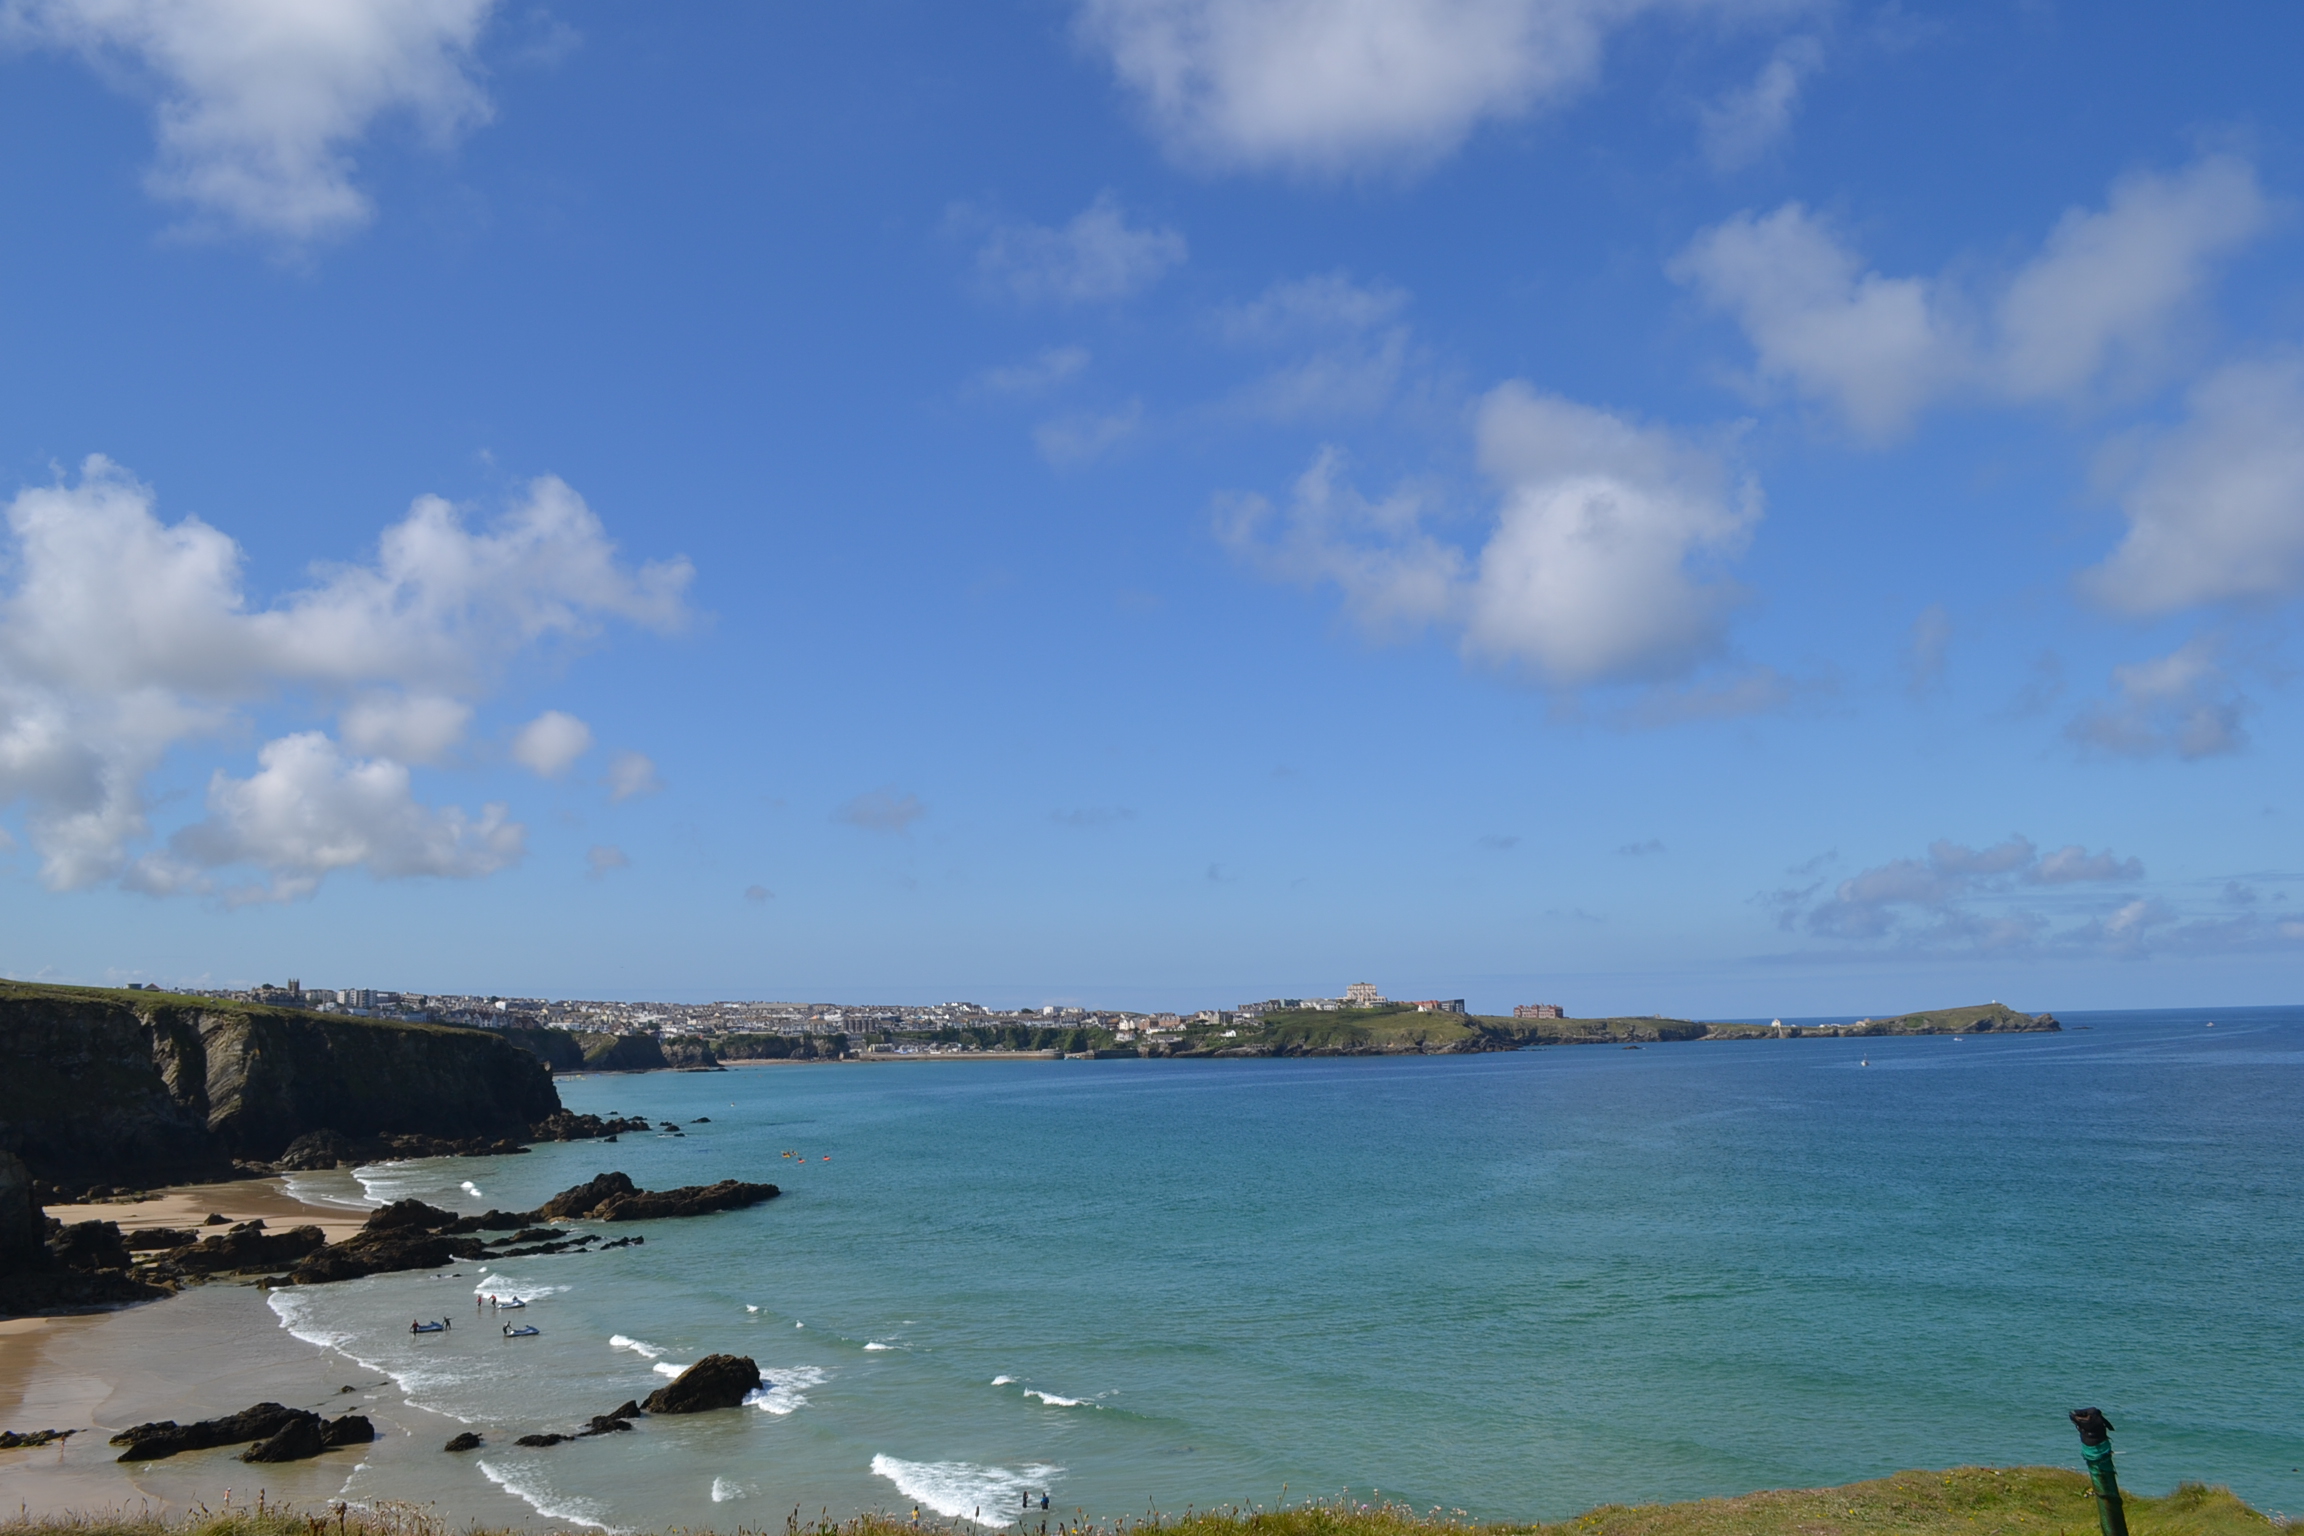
point(1965, 1501)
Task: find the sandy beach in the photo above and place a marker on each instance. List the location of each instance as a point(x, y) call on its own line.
point(213, 1350)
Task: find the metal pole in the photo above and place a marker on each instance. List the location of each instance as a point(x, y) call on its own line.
point(2096, 1451)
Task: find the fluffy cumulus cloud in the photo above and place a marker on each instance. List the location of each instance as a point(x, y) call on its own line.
point(1327, 86)
point(631, 775)
point(94, 693)
point(2215, 505)
point(1601, 565)
point(1961, 897)
point(2102, 301)
point(1097, 256)
point(309, 811)
point(257, 103)
point(550, 744)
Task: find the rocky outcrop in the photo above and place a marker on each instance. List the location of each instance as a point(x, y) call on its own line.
point(466, 1441)
point(614, 1197)
point(564, 1126)
point(408, 1234)
point(11, 1440)
point(166, 1437)
point(716, 1381)
point(244, 1248)
point(20, 1224)
point(72, 1267)
point(136, 1089)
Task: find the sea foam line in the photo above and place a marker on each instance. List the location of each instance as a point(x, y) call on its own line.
point(639, 1347)
point(962, 1490)
point(782, 1393)
point(546, 1503)
point(1053, 1401)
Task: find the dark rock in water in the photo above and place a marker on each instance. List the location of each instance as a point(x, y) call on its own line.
point(543, 1439)
point(571, 1127)
point(614, 1197)
point(701, 1120)
point(253, 1224)
point(537, 1235)
point(623, 1242)
point(630, 1410)
point(302, 1437)
point(10, 1440)
point(21, 1223)
point(605, 1424)
point(466, 1441)
point(351, 1429)
point(716, 1381)
point(166, 1437)
point(214, 1220)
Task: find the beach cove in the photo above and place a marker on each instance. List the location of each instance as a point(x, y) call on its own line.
point(1517, 1284)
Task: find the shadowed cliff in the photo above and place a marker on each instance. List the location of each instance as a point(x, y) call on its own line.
point(144, 1088)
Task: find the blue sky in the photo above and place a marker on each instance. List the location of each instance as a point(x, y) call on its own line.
point(1701, 507)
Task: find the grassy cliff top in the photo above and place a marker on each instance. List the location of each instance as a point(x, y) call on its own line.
point(142, 1002)
point(1966, 1501)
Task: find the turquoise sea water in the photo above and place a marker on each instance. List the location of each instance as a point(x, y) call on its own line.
point(1516, 1285)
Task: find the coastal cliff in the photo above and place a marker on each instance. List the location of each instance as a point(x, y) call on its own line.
point(146, 1088)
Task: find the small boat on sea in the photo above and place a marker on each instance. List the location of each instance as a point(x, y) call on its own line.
point(427, 1327)
point(528, 1332)
point(506, 1306)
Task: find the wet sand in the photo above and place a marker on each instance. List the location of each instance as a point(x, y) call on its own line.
point(189, 1205)
point(209, 1351)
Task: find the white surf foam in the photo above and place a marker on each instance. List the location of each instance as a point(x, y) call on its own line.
point(505, 1285)
point(876, 1344)
point(639, 1347)
point(325, 1191)
point(1002, 1381)
point(782, 1394)
point(1053, 1401)
point(527, 1485)
point(724, 1490)
point(473, 1190)
point(295, 1314)
point(962, 1490)
point(667, 1368)
point(750, 1308)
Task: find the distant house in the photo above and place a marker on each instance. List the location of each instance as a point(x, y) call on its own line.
point(1363, 994)
point(1441, 1005)
point(1539, 1011)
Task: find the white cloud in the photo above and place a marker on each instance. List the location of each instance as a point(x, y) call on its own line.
point(2101, 298)
point(1960, 896)
point(2183, 702)
point(258, 102)
point(1876, 348)
point(2109, 284)
point(308, 811)
point(2215, 506)
point(550, 744)
point(1097, 256)
point(630, 774)
point(1083, 439)
point(409, 728)
point(94, 692)
point(881, 810)
point(1327, 86)
point(1745, 124)
point(604, 858)
point(1595, 571)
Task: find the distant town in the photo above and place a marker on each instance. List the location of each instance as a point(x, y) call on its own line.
point(885, 1027)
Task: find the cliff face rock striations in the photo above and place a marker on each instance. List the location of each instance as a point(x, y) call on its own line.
point(144, 1088)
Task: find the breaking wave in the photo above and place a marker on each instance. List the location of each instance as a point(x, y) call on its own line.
point(962, 1490)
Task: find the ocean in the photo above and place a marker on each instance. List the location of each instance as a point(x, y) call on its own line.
point(1512, 1286)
